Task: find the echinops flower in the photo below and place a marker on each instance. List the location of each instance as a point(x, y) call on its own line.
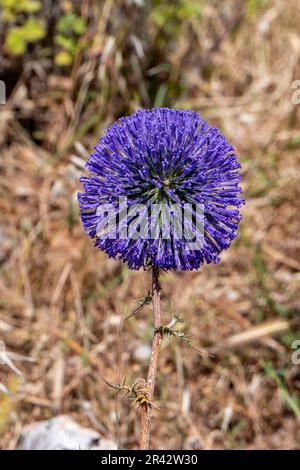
point(162, 158)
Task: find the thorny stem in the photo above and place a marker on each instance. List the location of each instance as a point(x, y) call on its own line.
point(146, 409)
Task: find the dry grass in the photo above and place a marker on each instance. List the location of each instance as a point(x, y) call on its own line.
point(63, 303)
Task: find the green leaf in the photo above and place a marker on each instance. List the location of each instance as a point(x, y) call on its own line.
point(9, 4)
point(79, 25)
point(160, 96)
point(63, 58)
point(16, 6)
point(29, 6)
point(71, 23)
point(66, 42)
point(15, 42)
point(18, 37)
point(33, 30)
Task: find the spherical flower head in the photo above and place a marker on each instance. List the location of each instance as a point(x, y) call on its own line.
point(163, 191)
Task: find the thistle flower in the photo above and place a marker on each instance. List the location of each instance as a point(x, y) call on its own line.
point(163, 157)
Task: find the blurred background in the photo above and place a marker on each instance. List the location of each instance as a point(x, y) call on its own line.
point(70, 69)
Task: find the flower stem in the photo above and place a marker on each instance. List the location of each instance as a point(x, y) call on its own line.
point(146, 409)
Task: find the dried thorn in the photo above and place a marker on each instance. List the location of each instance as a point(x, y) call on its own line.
point(142, 400)
point(182, 336)
point(117, 387)
point(143, 301)
point(178, 317)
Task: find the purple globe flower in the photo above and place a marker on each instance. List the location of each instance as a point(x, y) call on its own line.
point(172, 161)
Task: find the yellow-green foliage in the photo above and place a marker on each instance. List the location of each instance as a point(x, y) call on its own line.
point(70, 26)
point(23, 27)
point(170, 15)
point(19, 37)
point(11, 8)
